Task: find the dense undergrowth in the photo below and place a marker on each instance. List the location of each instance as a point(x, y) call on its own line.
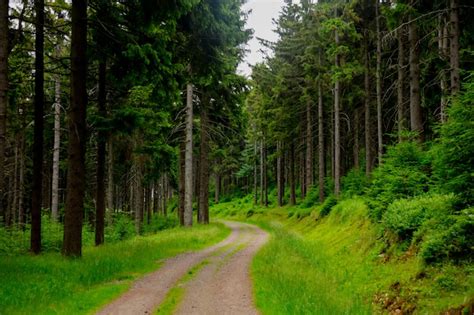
point(52, 284)
point(401, 240)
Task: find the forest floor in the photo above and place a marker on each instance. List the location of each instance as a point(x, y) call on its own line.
point(215, 280)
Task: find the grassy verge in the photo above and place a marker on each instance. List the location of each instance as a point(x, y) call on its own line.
point(52, 284)
point(335, 265)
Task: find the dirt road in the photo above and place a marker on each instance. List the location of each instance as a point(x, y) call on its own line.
point(222, 286)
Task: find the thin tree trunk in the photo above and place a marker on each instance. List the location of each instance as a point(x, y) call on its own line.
point(379, 84)
point(356, 138)
point(400, 84)
point(265, 177)
point(21, 209)
point(3, 96)
point(15, 185)
point(100, 175)
point(181, 183)
point(322, 166)
point(454, 54)
point(280, 174)
point(368, 138)
point(137, 196)
point(110, 174)
point(292, 175)
point(416, 119)
point(262, 184)
point(444, 53)
point(36, 198)
point(337, 134)
point(188, 170)
point(204, 165)
point(72, 245)
point(309, 147)
point(218, 187)
point(56, 148)
point(255, 171)
point(165, 195)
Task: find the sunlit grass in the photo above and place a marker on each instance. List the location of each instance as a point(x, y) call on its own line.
point(335, 265)
point(53, 284)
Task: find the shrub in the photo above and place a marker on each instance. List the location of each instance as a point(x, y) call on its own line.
point(159, 223)
point(454, 240)
point(312, 198)
point(354, 183)
point(405, 216)
point(454, 154)
point(403, 173)
point(122, 228)
point(330, 202)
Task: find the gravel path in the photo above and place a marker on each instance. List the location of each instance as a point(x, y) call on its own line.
point(222, 287)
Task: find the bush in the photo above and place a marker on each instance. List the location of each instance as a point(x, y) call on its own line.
point(454, 154)
point(160, 223)
point(455, 240)
point(405, 216)
point(403, 173)
point(312, 198)
point(330, 202)
point(354, 183)
point(122, 228)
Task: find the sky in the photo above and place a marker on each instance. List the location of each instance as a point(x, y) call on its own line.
point(260, 20)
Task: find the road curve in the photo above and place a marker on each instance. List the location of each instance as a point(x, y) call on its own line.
point(222, 287)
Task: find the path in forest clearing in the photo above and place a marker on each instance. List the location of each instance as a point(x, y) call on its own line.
point(222, 286)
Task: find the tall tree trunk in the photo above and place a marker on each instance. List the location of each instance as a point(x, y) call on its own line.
point(110, 174)
point(56, 148)
point(74, 212)
point(204, 165)
point(262, 184)
point(15, 184)
point(21, 184)
point(292, 175)
point(379, 84)
point(321, 160)
point(137, 196)
point(100, 175)
point(36, 197)
point(309, 147)
point(444, 53)
point(356, 138)
point(218, 187)
point(280, 174)
point(368, 132)
point(188, 161)
point(400, 84)
point(454, 54)
point(181, 184)
point(255, 171)
point(265, 176)
point(3, 96)
point(416, 119)
point(337, 134)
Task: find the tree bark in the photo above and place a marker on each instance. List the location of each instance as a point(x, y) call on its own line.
point(204, 165)
point(321, 160)
point(36, 197)
point(255, 171)
point(56, 148)
point(100, 174)
point(368, 138)
point(454, 54)
point(309, 147)
point(218, 187)
point(292, 175)
point(416, 119)
point(280, 174)
point(400, 84)
point(262, 184)
point(337, 134)
point(379, 85)
point(110, 174)
point(181, 182)
point(444, 53)
point(75, 189)
point(3, 96)
point(356, 138)
point(188, 169)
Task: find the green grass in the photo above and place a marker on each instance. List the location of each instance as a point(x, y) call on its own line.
point(51, 284)
point(335, 265)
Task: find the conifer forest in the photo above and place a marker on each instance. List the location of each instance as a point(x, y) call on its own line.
point(143, 171)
